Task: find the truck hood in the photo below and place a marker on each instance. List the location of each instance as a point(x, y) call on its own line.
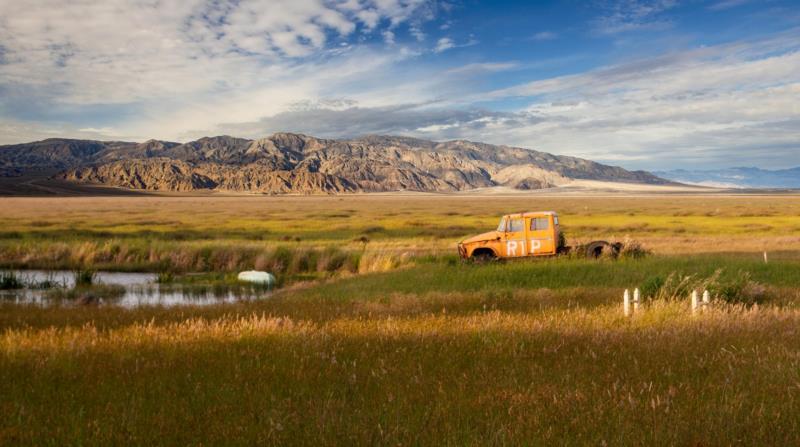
point(490, 236)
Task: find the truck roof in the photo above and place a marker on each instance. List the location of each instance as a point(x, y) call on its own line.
point(532, 214)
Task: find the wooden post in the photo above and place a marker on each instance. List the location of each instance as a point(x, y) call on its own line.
point(766, 260)
point(706, 299)
point(694, 302)
point(636, 300)
point(626, 303)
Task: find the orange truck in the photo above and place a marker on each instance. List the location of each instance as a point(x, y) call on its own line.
point(526, 235)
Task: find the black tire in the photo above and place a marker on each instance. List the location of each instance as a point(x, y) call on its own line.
point(483, 257)
point(598, 249)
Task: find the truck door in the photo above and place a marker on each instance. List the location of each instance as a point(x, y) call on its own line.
point(541, 237)
point(515, 243)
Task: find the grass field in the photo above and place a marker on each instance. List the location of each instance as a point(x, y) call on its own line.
point(393, 341)
point(232, 233)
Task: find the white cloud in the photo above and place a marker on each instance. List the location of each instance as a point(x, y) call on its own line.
point(710, 106)
point(16, 131)
point(444, 44)
point(100, 131)
point(482, 67)
point(120, 51)
point(727, 105)
point(633, 15)
point(165, 67)
point(347, 119)
point(417, 32)
point(727, 4)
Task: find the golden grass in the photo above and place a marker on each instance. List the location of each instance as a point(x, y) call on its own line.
point(574, 376)
point(671, 318)
point(396, 348)
point(230, 233)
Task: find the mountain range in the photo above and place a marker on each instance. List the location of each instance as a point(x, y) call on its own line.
point(736, 177)
point(292, 163)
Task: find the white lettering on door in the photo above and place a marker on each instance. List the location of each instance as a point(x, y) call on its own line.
point(511, 248)
point(536, 245)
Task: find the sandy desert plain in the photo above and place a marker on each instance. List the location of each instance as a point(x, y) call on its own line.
point(378, 334)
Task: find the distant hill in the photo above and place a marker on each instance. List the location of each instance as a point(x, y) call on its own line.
point(737, 177)
point(293, 163)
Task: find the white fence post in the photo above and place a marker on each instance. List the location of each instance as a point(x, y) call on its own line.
point(694, 302)
point(706, 299)
point(626, 303)
point(636, 295)
point(766, 260)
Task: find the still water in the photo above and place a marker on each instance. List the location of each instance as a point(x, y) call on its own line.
point(140, 289)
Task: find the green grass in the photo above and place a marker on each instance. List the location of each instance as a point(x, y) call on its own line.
point(556, 273)
point(395, 341)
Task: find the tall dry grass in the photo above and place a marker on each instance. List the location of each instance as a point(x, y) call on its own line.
point(574, 376)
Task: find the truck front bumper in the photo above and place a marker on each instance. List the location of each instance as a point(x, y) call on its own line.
point(462, 251)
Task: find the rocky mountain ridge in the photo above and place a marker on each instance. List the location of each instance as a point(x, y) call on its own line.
point(293, 163)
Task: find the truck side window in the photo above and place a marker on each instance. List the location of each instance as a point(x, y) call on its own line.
point(516, 225)
point(502, 226)
point(540, 223)
point(555, 220)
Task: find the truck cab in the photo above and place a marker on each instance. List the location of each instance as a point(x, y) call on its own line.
point(517, 235)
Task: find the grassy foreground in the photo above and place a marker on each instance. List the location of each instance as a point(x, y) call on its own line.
point(398, 343)
point(572, 376)
point(519, 353)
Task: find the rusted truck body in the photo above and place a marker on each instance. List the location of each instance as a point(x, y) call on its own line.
point(526, 235)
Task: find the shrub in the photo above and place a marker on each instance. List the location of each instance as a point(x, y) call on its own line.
point(281, 259)
point(331, 260)
point(651, 286)
point(165, 277)
point(383, 260)
point(9, 281)
point(736, 289)
point(633, 249)
point(48, 283)
point(303, 261)
point(84, 277)
point(740, 289)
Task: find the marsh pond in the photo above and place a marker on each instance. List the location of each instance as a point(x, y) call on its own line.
point(123, 289)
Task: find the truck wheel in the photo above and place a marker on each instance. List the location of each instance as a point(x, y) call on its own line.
point(596, 249)
point(483, 257)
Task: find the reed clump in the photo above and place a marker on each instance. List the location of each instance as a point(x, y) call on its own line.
point(84, 277)
point(633, 249)
point(10, 281)
point(736, 288)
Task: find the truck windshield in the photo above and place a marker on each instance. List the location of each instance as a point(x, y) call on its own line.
point(502, 226)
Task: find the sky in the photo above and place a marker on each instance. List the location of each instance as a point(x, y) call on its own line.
point(643, 84)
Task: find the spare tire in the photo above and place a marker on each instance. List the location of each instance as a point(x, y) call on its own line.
point(597, 249)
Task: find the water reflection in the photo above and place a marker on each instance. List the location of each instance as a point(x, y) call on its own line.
point(136, 289)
